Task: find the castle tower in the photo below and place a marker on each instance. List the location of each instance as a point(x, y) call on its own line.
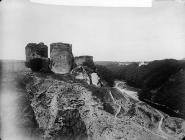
point(37, 57)
point(61, 57)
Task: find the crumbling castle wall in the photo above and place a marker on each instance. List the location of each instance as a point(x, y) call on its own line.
point(86, 70)
point(61, 57)
point(37, 57)
point(84, 60)
point(34, 50)
point(61, 61)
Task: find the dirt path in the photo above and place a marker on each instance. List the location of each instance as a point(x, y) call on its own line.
point(133, 95)
point(119, 108)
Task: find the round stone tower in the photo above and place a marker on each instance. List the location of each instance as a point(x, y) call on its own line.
point(61, 58)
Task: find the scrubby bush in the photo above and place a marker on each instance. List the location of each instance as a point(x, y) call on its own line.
point(161, 82)
point(130, 73)
point(170, 97)
point(105, 74)
point(159, 71)
point(149, 76)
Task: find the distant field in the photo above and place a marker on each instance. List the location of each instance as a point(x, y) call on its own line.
point(104, 63)
point(12, 66)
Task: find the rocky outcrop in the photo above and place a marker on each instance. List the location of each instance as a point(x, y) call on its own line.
point(85, 70)
point(95, 79)
point(82, 73)
point(61, 58)
point(73, 110)
point(87, 75)
point(173, 126)
point(37, 57)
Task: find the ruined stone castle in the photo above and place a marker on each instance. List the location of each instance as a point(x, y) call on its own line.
point(61, 61)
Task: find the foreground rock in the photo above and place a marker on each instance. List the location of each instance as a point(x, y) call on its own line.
point(86, 74)
point(61, 58)
point(70, 110)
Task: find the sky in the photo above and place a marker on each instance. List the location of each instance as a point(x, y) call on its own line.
point(106, 33)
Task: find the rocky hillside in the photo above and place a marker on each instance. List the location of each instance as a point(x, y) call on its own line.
point(71, 98)
point(52, 106)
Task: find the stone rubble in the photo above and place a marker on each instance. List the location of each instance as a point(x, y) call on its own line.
point(86, 74)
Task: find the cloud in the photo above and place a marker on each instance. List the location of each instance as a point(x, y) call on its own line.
point(104, 3)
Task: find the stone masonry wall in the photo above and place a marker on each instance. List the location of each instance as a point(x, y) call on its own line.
point(37, 57)
point(61, 58)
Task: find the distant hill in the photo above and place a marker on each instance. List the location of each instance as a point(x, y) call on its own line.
point(161, 82)
point(105, 63)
